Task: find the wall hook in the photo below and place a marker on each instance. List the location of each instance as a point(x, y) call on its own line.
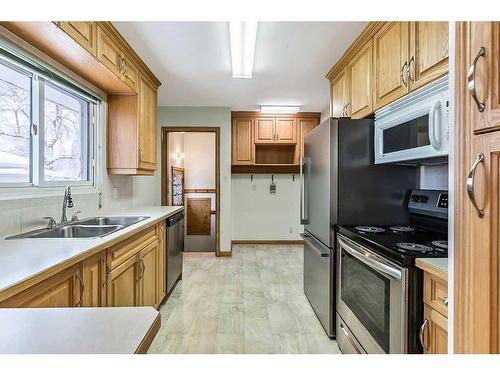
point(293, 177)
point(272, 177)
point(251, 177)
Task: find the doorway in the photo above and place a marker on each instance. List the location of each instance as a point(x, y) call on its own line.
point(191, 177)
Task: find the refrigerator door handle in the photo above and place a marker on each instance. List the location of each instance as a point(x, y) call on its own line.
point(304, 192)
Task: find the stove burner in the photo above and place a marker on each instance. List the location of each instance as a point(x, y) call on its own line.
point(441, 245)
point(368, 229)
point(402, 228)
point(409, 246)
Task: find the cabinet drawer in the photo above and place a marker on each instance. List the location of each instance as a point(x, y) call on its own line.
point(119, 253)
point(436, 293)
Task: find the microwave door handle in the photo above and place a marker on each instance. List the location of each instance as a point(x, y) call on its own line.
point(433, 132)
point(369, 261)
point(304, 191)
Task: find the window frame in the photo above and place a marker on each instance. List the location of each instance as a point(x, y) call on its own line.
point(37, 182)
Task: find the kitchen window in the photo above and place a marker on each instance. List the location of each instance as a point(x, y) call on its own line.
point(47, 127)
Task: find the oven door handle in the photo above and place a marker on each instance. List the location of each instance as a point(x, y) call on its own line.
point(369, 261)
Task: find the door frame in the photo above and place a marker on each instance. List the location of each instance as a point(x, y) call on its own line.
point(164, 170)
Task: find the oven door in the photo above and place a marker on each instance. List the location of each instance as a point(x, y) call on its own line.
point(412, 133)
point(371, 298)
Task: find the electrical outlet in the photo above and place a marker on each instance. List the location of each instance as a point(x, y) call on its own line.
point(272, 188)
point(290, 230)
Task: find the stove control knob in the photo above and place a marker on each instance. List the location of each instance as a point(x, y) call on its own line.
point(423, 199)
point(415, 198)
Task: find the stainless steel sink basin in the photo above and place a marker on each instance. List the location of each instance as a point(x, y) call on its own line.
point(78, 231)
point(113, 220)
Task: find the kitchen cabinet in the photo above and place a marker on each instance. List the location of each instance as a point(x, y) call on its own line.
point(339, 96)
point(285, 130)
point(64, 289)
point(95, 273)
point(242, 141)
point(305, 126)
point(359, 83)
point(132, 131)
point(122, 285)
point(476, 167)
point(434, 329)
point(264, 130)
point(390, 56)
point(82, 32)
point(148, 276)
point(428, 59)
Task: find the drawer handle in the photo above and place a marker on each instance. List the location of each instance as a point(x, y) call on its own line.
point(422, 333)
point(471, 80)
point(82, 289)
point(445, 301)
point(470, 185)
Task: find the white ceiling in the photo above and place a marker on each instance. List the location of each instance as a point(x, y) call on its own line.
point(193, 62)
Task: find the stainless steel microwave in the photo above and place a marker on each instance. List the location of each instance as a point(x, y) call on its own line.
point(415, 127)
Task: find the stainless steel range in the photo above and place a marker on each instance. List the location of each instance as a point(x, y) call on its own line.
point(379, 290)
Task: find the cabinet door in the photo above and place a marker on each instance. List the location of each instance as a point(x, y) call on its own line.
point(359, 72)
point(435, 332)
point(338, 95)
point(305, 126)
point(243, 149)
point(130, 72)
point(147, 124)
point(94, 275)
point(390, 50)
point(148, 276)
point(264, 130)
point(428, 52)
point(122, 284)
point(83, 32)
point(162, 262)
point(64, 289)
point(487, 82)
point(108, 52)
point(286, 130)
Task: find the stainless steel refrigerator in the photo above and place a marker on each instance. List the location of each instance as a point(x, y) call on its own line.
point(340, 184)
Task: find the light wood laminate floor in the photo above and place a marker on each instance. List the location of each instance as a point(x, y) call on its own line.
point(252, 302)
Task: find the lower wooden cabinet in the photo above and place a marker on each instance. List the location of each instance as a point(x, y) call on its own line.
point(162, 258)
point(94, 276)
point(122, 290)
point(64, 289)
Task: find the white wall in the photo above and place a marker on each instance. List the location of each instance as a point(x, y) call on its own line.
point(324, 114)
point(207, 117)
point(259, 215)
point(199, 160)
point(175, 158)
point(434, 177)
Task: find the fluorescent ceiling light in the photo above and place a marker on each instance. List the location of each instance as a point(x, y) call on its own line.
point(242, 36)
point(279, 108)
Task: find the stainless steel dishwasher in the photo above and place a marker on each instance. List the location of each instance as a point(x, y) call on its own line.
point(175, 248)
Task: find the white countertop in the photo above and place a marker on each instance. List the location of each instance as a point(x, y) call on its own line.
point(440, 264)
point(111, 330)
point(21, 259)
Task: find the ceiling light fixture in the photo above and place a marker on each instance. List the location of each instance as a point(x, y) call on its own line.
point(242, 36)
point(279, 108)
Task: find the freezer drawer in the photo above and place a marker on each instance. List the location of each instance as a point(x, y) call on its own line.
point(319, 281)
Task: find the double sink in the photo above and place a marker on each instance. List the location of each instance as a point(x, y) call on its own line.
point(86, 228)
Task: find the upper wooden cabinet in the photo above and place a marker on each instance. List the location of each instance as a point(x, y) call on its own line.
point(242, 141)
point(83, 32)
point(359, 73)
point(305, 126)
point(132, 131)
point(339, 95)
point(390, 45)
point(285, 130)
point(428, 52)
point(265, 130)
point(387, 61)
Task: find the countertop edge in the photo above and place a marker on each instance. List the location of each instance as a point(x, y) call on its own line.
point(33, 279)
point(427, 266)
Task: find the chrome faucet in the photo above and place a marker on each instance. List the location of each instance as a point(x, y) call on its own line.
point(67, 203)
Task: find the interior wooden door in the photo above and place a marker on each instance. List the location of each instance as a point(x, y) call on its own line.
point(486, 35)
point(122, 285)
point(147, 125)
point(428, 52)
point(94, 275)
point(83, 32)
point(264, 130)
point(359, 71)
point(338, 95)
point(243, 148)
point(148, 281)
point(390, 51)
point(198, 216)
point(61, 290)
point(286, 130)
